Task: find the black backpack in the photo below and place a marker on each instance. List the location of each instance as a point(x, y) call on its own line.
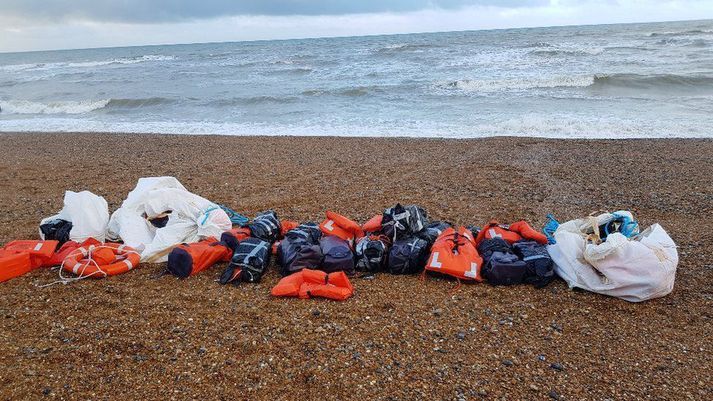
point(249, 262)
point(433, 230)
point(300, 249)
point(403, 221)
point(338, 255)
point(56, 229)
point(540, 269)
point(408, 256)
point(308, 232)
point(504, 268)
point(265, 226)
point(371, 254)
point(487, 246)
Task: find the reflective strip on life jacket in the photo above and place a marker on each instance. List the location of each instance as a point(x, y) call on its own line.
point(473, 272)
point(434, 261)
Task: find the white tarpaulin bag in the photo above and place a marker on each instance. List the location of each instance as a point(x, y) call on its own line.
point(634, 269)
point(190, 218)
point(88, 213)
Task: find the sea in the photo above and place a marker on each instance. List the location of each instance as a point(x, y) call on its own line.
point(649, 80)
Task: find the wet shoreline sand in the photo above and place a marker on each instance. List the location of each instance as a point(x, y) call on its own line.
point(144, 336)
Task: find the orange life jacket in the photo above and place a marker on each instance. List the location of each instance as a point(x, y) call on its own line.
point(454, 254)
point(342, 227)
point(373, 225)
point(107, 259)
point(287, 225)
point(308, 283)
point(189, 259)
point(20, 257)
point(512, 233)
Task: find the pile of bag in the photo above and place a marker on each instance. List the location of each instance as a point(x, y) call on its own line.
point(398, 241)
point(500, 254)
point(514, 254)
point(608, 255)
point(162, 221)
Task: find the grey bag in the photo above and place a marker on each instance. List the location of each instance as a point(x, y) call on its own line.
point(403, 221)
point(408, 256)
point(540, 269)
point(338, 255)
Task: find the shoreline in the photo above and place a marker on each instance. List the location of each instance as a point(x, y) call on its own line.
point(543, 137)
point(135, 335)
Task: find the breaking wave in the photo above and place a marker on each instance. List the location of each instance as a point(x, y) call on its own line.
point(63, 107)
point(85, 64)
point(77, 107)
point(598, 81)
point(469, 85)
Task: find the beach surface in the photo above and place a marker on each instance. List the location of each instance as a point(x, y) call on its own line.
point(146, 336)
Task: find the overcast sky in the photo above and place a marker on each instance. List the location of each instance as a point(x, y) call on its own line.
point(62, 24)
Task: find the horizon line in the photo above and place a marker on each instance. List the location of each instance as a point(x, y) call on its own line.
point(349, 36)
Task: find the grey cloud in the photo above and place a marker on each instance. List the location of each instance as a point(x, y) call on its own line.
point(149, 11)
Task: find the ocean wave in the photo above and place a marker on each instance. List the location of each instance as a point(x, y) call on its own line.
point(530, 45)
point(138, 102)
point(289, 71)
point(85, 64)
point(78, 107)
point(252, 100)
point(597, 81)
point(555, 52)
point(405, 48)
point(655, 81)
point(517, 84)
point(689, 32)
point(60, 107)
point(127, 60)
point(355, 91)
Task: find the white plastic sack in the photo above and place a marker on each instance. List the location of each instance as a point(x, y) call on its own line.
point(89, 214)
point(192, 218)
point(636, 269)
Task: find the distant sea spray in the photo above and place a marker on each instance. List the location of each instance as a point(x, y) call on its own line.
point(613, 81)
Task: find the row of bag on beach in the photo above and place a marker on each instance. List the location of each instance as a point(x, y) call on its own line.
point(161, 221)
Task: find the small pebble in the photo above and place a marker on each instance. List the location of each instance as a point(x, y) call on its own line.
point(507, 362)
point(557, 366)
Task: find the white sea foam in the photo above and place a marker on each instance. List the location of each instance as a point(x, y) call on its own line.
point(518, 84)
point(85, 64)
point(529, 125)
point(60, 107)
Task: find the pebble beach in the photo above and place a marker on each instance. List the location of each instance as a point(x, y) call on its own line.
point(144, 335)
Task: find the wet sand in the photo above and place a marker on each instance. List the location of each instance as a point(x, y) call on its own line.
point(141, 336)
